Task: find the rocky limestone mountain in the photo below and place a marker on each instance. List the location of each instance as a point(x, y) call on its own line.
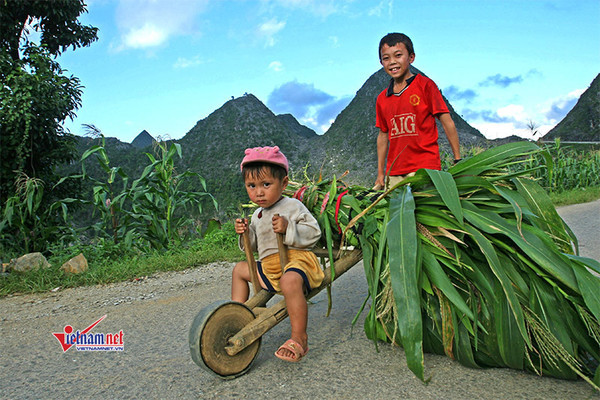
point(294, 125)
point(215, 146)
point(143, 140)
point(582, 123)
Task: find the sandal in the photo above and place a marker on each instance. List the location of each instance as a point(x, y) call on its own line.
point(295, 348)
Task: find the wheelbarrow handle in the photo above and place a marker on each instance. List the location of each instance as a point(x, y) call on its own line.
point(251, 262)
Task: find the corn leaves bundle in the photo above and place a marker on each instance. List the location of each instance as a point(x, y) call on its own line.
point(474, 263)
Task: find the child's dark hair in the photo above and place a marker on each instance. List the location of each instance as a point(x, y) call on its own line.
point(255, 170)
point(392, 39)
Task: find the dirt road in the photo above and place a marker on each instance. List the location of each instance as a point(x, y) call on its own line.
point(155, 314)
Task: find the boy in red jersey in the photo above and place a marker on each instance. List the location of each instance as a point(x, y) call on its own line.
point(406, 113)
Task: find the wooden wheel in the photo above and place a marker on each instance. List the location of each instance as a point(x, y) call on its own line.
point(209, 333)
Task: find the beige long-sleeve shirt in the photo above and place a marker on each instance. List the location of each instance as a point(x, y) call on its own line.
point(302, 232)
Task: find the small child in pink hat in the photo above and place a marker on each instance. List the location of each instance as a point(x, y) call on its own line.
point(265, 172)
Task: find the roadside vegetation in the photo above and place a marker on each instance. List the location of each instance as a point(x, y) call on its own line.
point(110, 262)
point(575, 196)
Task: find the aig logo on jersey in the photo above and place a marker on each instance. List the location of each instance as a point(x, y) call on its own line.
point(403, 125)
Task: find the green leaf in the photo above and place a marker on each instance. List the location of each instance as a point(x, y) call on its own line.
point(588, 262)
point(91, 151)
point(439, 278)
point(539, 202)
point(510, 341)
point(445, 185)
point(509, 196)
point(543, 301)
point(332, 191)
point(436, 217)
point(549, 259)
point(490, 254)
point(589, 286)
point(492, 158)
point(469, 183)
point(404, 273)
point(464, 349)
point(372, 278)
point(576, 327)
point(178, 147)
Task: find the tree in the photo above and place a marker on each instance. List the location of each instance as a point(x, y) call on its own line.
point(56, 20)
point(35, 95)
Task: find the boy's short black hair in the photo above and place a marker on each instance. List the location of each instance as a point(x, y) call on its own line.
point(255, 170)
point(392, 39)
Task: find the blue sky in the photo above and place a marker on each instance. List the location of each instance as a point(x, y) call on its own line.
point(162, 65)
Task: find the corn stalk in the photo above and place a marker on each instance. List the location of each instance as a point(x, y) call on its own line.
point(474, 263)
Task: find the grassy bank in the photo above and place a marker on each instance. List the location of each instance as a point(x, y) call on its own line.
point(109, 264)
point(575, 196)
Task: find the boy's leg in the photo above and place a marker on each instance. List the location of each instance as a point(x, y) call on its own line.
point(240, 278)
point(292, 287)
point(239, 282)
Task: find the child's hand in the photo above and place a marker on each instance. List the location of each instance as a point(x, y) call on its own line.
point(241, 225)
point(279, 224)
point(379, 183)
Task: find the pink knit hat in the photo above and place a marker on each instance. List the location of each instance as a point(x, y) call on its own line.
point(265, 154)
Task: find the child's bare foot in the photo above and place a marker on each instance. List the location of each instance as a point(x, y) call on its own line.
point(292, 351)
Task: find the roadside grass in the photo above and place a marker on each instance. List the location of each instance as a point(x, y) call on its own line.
point(111, 263)
point(575, 196)
point(117, 264)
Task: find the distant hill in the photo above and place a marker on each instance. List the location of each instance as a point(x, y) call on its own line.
point(124, 155)
point(582, 123)
point(215, 146)
point(292, 123)
point(143, 140)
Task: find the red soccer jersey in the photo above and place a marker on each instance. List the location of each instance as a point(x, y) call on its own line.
point(409, 121)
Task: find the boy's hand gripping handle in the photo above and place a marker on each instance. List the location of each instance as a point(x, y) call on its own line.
point(251, 263)
point(283, 257)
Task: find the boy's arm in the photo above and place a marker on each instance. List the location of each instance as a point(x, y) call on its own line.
point(302, 231)
point(451, 134)
point(382, 149)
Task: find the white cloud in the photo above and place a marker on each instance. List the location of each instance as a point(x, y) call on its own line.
point(555, 109)
point(515, 120)
point(334, 41)
point(320, 8)
point(145, 24)
point(378, 9)
point(496, 130)
point(183, 62)
point(276, 66)
point(512, 111)
point(268, 30)
point(148, 35)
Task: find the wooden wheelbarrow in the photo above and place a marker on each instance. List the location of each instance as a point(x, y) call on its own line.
point(225, 336)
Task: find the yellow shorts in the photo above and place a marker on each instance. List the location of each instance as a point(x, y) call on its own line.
point(303, 262)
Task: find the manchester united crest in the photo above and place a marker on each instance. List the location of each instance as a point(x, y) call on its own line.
point(414, 100)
